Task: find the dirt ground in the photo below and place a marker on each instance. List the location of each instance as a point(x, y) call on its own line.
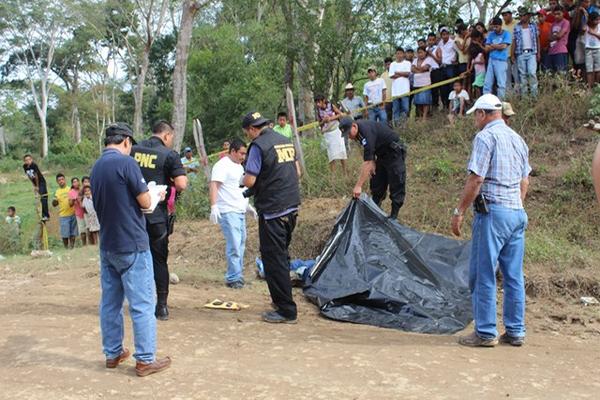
point(50, 341)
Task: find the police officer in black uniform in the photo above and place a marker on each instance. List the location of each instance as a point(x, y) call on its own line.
point(271, 174)
point(159, 163)
point(384, 157)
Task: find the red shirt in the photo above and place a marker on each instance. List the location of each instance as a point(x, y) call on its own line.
point(545, 30)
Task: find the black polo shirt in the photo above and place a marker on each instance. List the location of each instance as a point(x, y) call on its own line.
point(375, 138)
point(116, 182)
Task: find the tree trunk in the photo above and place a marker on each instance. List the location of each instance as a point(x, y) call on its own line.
point(138, 94)
point(2, 141)
point(178, 119)
point(76, 124)
point(44, 149)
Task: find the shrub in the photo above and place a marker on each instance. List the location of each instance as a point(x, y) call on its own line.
point(10, 240)
point(578, 175)
point(194, 202)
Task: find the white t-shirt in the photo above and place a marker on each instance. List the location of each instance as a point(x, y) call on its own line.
point(374, 90)
point(463, 93)
point(229, 197)
point(448, 51)
point(526, 37)
point(400, 85)
point(591, 41)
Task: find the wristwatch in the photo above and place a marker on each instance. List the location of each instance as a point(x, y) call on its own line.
point(457, 213)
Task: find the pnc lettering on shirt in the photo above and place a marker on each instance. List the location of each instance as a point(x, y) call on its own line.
point(146, 160)
point(285, 153)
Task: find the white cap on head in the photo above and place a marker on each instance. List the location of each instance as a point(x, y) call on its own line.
point(486, 102)
point(349, 87)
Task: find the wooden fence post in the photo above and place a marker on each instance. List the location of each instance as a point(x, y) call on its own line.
point(199, 139)
point(289, 96)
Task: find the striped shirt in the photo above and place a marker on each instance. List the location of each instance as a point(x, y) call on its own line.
point(500, 156)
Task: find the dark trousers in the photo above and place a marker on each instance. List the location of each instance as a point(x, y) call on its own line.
point(436, 76)
point(390, 171)
point(388, 110)
point(275, 236)
point(159, 247)
point(447, 72)
point(43, 192)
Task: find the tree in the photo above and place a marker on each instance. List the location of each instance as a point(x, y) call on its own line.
point(189, 9)
point(145, 20)
point(32, 32)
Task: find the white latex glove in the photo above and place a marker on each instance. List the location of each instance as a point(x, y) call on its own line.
point(215, 215)
point(252, 211)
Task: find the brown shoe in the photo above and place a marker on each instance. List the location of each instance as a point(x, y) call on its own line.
point(113, 362)
point(144, 369)
point(473, 340)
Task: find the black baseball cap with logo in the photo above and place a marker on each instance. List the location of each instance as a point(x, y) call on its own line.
point(345, 125)
point(253, 118)
point(120, 128)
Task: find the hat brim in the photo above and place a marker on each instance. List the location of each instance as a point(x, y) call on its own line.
point(509, 113)
point(471, 110)
point(258, 122)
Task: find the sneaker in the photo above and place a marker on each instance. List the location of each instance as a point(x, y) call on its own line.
point(235, 285)
point(516, 341)
point(473, 340)
point(274, 317)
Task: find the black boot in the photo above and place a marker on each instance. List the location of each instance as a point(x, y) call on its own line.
point(394, 213)
point(162, 311)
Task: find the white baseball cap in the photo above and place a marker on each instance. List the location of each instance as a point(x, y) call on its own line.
point(486, 102)
point(349, 87)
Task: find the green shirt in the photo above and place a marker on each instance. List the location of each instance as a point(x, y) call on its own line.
point(285, 131)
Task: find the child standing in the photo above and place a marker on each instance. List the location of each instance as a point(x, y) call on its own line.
point(421, 69)
point(458, 99)
point(592, 49)
point(477, 62)
point(91, 219)
point(13, 220)
point(328, 118)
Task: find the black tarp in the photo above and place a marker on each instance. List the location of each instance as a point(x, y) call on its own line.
point(375, 271)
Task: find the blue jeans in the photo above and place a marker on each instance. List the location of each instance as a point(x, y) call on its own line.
point(496, 71)
point(400, 108)
point(527, 63)
point(131, 276)
point(234, 229)
point(377, 114)
point(498, 238)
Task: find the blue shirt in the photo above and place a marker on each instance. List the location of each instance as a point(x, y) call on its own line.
point(494, 38)
point(116, 182)
point(253, 166)
point(500, 156)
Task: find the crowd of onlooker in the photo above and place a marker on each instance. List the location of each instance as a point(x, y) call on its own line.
point(504, 57)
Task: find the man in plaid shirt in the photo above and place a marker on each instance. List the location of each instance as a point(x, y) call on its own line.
point(497, 184)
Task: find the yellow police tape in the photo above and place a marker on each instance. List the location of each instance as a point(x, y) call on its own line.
point(315, 124)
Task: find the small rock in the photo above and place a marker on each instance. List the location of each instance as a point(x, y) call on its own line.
point(173, 278)
point(587, 301)
point(596, 127)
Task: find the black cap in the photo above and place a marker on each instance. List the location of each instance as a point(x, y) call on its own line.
point(345, 125)
point(253, 118)
point(120, 128)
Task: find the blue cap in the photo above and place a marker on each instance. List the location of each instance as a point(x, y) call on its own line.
point(187, 149)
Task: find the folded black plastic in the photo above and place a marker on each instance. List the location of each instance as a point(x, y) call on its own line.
point(375, 271)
